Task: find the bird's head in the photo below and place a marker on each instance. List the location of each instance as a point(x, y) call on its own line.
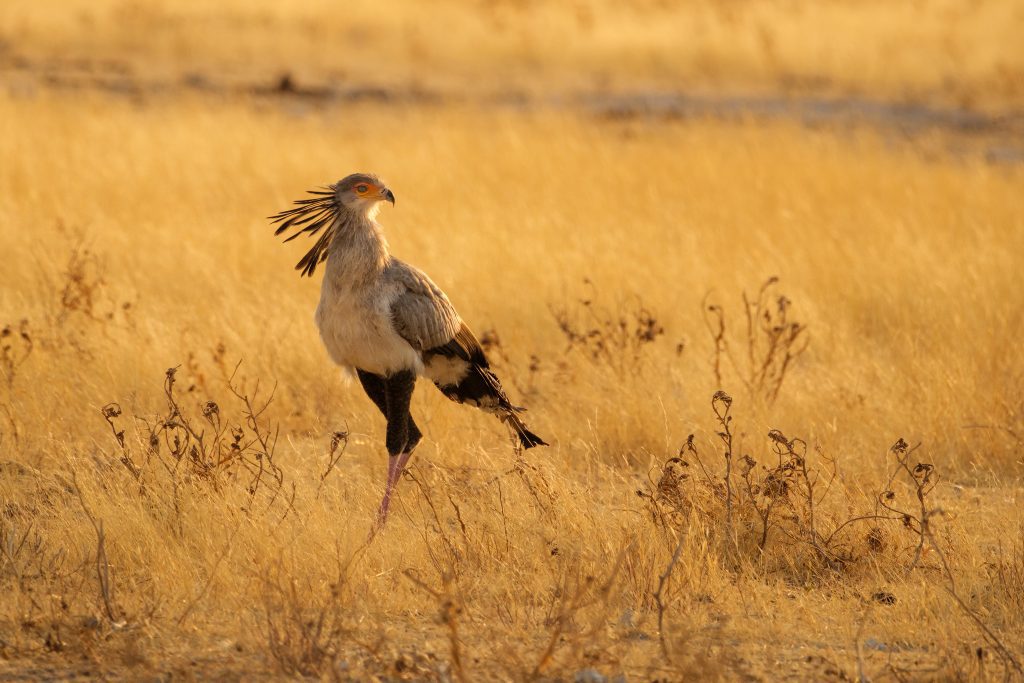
point(363, 193)
point(359, 194)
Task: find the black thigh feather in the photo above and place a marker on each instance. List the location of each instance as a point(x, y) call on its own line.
point(392, 395)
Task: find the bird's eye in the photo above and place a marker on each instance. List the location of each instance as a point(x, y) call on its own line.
point(361, 189)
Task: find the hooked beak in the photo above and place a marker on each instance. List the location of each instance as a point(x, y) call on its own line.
point(389, 196)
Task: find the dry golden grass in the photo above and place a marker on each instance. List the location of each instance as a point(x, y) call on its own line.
point(966, 52)
point(212, 521)
point(134, 241)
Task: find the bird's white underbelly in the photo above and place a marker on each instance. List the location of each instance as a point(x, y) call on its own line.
point(358, 334)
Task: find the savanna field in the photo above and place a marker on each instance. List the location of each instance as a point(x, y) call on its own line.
point(754, 269)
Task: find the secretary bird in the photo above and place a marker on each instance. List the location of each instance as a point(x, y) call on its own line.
point(388, 320)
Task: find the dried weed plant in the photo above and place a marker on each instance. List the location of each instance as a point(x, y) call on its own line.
point(772, 511)
point(778, 518)
point(305, 628)
point(615, 336)
point(769, 343)
point(80, 306)
point(204, 448)
point(16, 345)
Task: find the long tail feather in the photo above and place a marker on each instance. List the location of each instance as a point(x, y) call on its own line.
point(526, 437)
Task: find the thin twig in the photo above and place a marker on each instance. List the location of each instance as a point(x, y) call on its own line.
point(213, 573)
point(662, 580)
point(102, 563)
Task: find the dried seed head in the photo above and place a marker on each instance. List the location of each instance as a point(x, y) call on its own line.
point(884, 597)
point(876, 540)
point(337, 438)
point(922, 470)
point(775, 486)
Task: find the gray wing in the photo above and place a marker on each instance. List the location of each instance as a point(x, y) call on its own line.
point(421, 314)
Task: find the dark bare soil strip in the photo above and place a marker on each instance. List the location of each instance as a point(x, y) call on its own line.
point(999, 137)
point(996, 137)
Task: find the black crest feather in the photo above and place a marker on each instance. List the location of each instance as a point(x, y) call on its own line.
point(311, 216)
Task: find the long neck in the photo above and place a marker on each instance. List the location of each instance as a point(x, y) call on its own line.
point(358, 252)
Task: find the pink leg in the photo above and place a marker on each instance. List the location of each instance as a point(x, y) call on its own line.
point(396, 465)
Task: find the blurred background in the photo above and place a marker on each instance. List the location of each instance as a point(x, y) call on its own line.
point(950, 53)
